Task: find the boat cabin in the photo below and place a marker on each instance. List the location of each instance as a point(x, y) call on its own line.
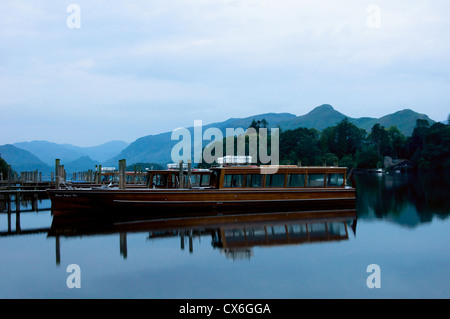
point(172, 178)
point(286, 176)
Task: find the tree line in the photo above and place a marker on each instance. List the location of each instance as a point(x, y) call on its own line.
point(348, 145)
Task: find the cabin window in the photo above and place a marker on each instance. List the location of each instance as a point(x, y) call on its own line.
point(315, 180)
point(336, 179)
point(275, 180)
point(253, 180)
point(232, 180)
point(205, 180)
point(195, 180)
point(296, 180)
point(159, 180)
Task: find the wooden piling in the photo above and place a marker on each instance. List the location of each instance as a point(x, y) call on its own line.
point(180, 175)
point(57, 173)
point(189, 184)
point(122, 174)
point(9, 177)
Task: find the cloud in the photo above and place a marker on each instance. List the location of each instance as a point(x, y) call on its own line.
point(223, 58)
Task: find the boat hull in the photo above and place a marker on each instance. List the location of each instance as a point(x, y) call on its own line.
point(183, 201)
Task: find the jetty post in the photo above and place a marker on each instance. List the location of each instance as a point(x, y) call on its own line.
point(180, 175)
point(9, 177)
point(188, 182)
point(122, 174)
point(57, 173)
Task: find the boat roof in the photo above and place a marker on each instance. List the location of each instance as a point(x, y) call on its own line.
point(262, 169)
point(281, 169)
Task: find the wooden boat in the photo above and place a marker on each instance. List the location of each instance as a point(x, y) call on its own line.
point(237, 188)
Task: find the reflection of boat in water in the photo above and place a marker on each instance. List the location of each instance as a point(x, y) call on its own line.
point(234, 234)
point(236, 188)
point(236, 242)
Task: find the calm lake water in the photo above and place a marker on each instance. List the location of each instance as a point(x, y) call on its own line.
point(403, 226)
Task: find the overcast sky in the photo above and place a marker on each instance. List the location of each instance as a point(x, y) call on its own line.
point(120, 70)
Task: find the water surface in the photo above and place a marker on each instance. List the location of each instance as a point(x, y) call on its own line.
point(402, 226)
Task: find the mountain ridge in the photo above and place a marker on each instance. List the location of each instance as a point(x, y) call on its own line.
point(156, 148)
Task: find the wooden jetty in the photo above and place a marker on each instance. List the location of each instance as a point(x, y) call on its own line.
point(23, 193)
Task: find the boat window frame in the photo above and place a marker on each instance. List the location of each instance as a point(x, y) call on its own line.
point(270, 176)
point(250, 184)
point(233, 180)
point(288, 179)
point(308, 181)
point(317, 173)
point(342, 175)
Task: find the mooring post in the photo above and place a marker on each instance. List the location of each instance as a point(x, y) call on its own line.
point(180, 175)
point(122, 174)
point(57, 172)
point(9, 176)
point(8, 201)
point(189, 185)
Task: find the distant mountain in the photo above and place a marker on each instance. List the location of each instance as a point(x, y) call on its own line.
point(48, 151)
point(81, 164)
point(101, 152)
point(325, 116)
point(405, 120)
point(157, 148)
point(22, 160)
point(319, 118)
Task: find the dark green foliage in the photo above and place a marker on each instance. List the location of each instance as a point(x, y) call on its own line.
point(427, 148)
point(342, 139)
point(3, 168)
point(301, 144)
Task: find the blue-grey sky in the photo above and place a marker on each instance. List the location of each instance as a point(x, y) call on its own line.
point(120, 70)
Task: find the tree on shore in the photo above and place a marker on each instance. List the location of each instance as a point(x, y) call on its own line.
point(3, 168)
